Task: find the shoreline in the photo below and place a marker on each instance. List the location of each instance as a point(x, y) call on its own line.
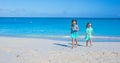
point(68, 38)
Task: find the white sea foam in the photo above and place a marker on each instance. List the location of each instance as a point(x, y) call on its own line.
point(68, 36)
point(97, 37)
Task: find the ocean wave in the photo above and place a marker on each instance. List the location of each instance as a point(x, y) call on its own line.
point(62, 36)
point(96, 37)
point(67, 36)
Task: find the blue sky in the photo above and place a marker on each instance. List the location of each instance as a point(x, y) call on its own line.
point(60, 8)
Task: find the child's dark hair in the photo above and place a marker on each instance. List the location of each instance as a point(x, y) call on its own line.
point(73, 21)
point(87, 24)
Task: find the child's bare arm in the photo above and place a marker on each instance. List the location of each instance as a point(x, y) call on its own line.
point(92, 32)
point(87, 33)
point(77, 28)
point(71, 30)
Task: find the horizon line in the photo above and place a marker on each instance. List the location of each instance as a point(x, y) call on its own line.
point(61, 17)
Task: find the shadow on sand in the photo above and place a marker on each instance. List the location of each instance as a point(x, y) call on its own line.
point(69, 45)
point(63, 45)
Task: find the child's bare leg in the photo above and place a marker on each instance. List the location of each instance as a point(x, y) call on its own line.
point(90, 42)
point(76, 42)
point(72, 42)
point(86, 43)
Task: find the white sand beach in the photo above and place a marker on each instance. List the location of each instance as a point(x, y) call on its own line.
point(34, 50)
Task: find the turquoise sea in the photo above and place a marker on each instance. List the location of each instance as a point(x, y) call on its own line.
point(105, 29)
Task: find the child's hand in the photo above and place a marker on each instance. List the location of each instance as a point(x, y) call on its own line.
point(76, 29)
point(87, 34)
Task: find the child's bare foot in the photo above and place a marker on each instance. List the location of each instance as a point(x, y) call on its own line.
point(91, 45)
point(72, 47)
point(86, 45)
point(76, 46)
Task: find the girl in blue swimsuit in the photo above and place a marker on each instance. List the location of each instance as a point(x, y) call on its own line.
point(74, 32)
